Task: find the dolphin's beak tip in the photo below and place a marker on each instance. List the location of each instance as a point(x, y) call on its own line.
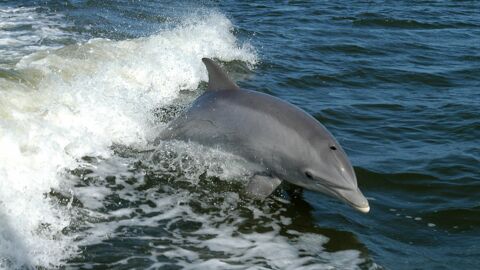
point(356, 199)
point(364, 210)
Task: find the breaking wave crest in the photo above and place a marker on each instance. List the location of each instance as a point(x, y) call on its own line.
point(57, 107)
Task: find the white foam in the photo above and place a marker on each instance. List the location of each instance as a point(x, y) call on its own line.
point(219, 242)
point(78, 101)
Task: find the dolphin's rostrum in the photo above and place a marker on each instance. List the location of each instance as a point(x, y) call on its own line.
point(283, 140)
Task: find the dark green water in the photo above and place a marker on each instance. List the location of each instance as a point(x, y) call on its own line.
point(86, 85)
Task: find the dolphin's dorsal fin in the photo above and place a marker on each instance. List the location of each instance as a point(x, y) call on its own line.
point(217, 78)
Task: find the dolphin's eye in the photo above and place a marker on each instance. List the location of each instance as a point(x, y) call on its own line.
point(308, 175)
point(333, 147)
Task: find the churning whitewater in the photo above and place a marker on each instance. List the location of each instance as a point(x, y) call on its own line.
point(59, 105)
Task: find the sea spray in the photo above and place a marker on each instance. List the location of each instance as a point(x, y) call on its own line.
point(77, 101)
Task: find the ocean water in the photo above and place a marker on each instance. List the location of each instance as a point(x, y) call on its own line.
point(85, 86)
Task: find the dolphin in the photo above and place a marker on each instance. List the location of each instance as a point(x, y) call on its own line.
point(285, 142)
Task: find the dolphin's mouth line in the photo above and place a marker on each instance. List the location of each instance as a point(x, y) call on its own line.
point(330, 186)
point(333, 186)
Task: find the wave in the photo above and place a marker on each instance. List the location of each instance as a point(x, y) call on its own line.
point(61, 105)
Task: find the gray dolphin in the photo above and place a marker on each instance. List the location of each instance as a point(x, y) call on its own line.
point(283, 140)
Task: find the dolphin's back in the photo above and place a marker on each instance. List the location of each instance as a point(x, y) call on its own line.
point(249, 124)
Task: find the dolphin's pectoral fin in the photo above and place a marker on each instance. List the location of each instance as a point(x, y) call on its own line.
point(217, 78)
point(261, 186)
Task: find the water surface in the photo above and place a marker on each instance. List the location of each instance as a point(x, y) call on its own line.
point(85, 86)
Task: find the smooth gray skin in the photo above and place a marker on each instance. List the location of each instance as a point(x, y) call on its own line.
point(285, 141)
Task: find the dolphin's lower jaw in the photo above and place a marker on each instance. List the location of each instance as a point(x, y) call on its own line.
point(352, 197)
point(355, 199)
